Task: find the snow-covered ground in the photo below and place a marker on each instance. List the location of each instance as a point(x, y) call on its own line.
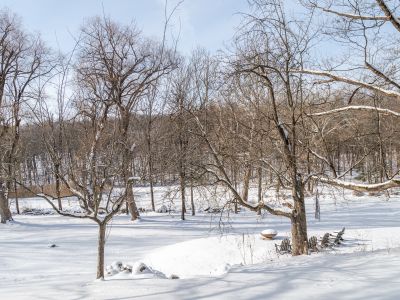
point(214, 257)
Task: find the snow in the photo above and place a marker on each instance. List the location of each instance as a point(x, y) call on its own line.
point(215, 256)
point(269, 231)
point(190, 260)
point(212, 256)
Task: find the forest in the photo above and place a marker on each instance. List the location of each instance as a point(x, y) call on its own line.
point(296, 104)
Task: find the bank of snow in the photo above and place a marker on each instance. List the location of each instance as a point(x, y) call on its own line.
point(215, 256)
point(211, 256)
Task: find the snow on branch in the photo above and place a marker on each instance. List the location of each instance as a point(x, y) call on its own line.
point(358, 107)
point(335, 77)
point(360, 187)
point(388, 15)
point(353, 16)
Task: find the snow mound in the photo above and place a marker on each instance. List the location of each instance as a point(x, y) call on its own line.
point(269, 231)
point(215, 256)
point(209, 257)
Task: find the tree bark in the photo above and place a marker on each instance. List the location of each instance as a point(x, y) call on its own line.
point(246, 183)
point(153, 206)
point(5, 213)
point(299, 225)
point(182, 187)
point(100, 251)
point(131, 203)
point(192, 198)
point(259, 191)
point(58, 185)
point(126, 162)
point(16, 197)
point(150, 157)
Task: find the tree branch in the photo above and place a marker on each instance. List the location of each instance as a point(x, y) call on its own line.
point(338, 78)
point(360, 187)
point(357, 107)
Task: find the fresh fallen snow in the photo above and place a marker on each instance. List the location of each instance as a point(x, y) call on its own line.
point(211, 256)
point(269, 232)
point(216, 258)
point(361, 275)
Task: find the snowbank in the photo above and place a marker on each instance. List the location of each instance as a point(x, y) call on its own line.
point(212, 256)
point(215, 256)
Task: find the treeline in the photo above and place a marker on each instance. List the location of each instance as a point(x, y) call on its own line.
point(366, 148)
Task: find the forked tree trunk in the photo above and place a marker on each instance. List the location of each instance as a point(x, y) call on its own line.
point(100, 251)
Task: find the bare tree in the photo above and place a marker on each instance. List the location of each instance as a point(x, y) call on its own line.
point(90, 172)
point(128, 65)
point(24, 59)
point(268, 47)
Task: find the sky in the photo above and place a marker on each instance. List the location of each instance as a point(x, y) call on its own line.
point(199, 23)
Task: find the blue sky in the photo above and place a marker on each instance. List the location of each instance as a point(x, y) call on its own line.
point(206, 23)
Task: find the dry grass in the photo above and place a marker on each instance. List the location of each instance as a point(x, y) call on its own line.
point(49, 189)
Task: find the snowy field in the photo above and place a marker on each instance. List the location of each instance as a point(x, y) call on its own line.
point(215, 256)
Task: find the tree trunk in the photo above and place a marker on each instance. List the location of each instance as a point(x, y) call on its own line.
point(192, 198)
point(5, 213)
point(100, 251)
point(30, 171)
point(131, 203)
point(235, 183)
point(182, 186)
point(153, 206)
point(58, 186)
point(150, 158)
point(317, 207)
point(127, 171)
point(308, 172)
point(35, 172)
point(16, 197)
point(246, 183)
point(260, 196)
point(299, 227)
